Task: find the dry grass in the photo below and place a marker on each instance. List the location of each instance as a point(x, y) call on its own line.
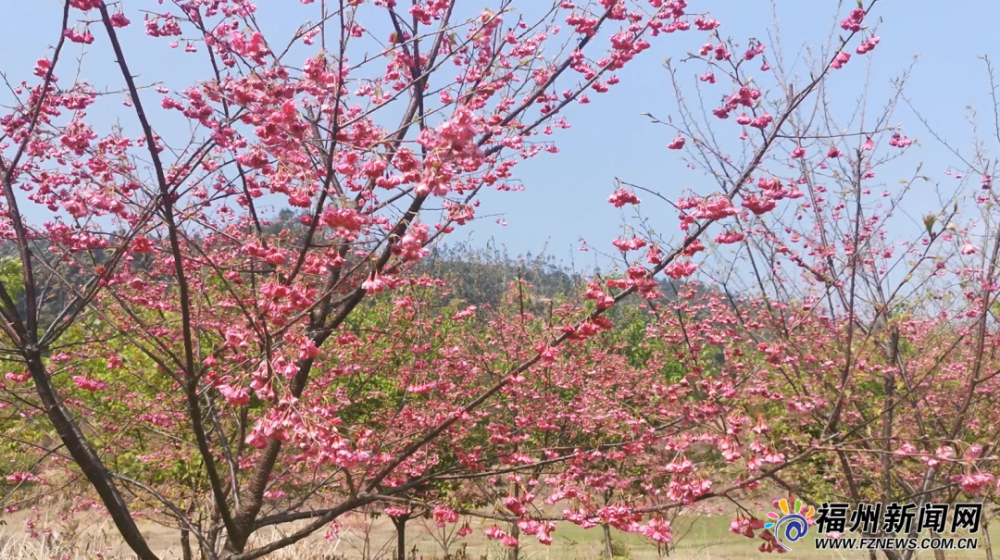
point(88, 537)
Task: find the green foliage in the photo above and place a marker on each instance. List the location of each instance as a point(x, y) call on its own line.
point(619, 550)
point(12, 276)
point(481, 277)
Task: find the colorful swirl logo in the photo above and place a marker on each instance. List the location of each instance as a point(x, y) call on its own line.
point(791, 524)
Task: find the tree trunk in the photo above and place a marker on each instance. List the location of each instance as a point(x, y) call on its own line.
point(186, 552)
point(609, 549)
point(515, 532)
point(892, 554)
point(186, 544)
point(400, 524)
point(986, 539)
point(938, 553)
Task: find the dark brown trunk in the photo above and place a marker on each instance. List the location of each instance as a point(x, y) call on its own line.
point(400, 524)
point(938, 553)
point(186, 544)
point(86, 458)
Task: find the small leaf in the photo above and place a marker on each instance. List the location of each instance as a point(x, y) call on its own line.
point(929, 223)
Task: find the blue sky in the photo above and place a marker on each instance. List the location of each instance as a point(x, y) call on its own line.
point(565, 194)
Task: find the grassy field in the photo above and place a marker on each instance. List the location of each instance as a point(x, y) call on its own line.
point(708, 538)
point(699, 538)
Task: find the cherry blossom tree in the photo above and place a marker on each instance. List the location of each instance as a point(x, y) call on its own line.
point(292, 374)
point(862, 339)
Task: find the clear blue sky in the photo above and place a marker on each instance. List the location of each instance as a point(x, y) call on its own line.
point(565, 194)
